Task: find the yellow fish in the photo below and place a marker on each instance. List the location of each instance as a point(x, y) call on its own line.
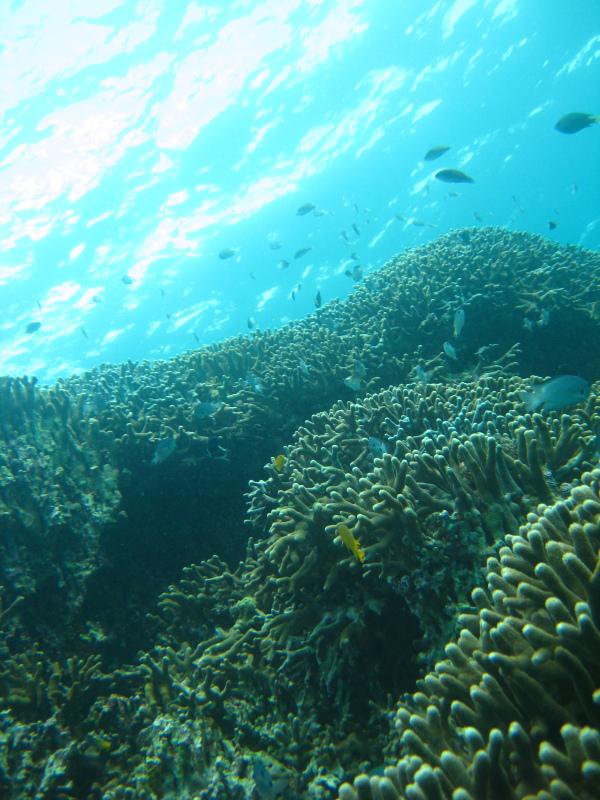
point(351, 542)
point(278, 462)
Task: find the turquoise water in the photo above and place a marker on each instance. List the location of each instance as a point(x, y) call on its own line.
point(138, 141)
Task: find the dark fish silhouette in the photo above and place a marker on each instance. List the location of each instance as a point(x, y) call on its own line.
point(228, 252)
point(33, 327)
point(302, 252)
point(355, 273)
point(305, 209)
point(453, 176)
point(317, 300)
point(127, 280)
point(552, 225)
point(575, 122)
point(436, 152)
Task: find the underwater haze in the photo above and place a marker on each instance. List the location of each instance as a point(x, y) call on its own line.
point(164, 165)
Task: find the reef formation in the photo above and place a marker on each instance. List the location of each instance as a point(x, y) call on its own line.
point(151, 649)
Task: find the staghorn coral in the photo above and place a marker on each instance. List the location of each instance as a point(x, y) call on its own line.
point(299, 631)
point(56, 496)
point(512, 711)
point(67, 726)
point(464, 466)
point(299, 651)
point(222, 411)
point(397, 318)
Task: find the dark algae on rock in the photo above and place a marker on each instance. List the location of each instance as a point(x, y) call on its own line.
point(324, 561)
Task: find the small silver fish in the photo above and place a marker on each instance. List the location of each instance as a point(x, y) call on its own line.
point(268, 779)
point(449, 350)
point(354, 383)
point(421, 374)
point(254, 383)
point(377, 448)
point(207, 408)
point(436, 152)
point(566, 390)
point(164, 448)
point(576, 121)
point(459, 321)
point(263, 782)
point(453, 176)
point(359, 369)
point(355, 273)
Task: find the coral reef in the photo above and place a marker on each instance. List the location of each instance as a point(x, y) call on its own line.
point(301, 630)
point(427, 477)
point(271, 667)
point(56, 496)
point(512, 711)
point(202, 424)
point(519, 293)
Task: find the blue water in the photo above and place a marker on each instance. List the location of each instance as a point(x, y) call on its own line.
point(139, 140)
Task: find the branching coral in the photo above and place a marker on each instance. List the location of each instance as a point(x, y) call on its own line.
point(465, 465)
point(294, 657)
point(512, 709)
point(56, 496)
point(300, 617)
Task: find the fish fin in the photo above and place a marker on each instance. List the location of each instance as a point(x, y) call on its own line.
point(533, 399)
point(529, 399)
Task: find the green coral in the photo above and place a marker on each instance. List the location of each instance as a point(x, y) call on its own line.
point(294, 657)
point(512, 709)
point(465, 465)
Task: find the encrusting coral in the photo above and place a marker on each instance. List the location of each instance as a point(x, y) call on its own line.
point(513, 709)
